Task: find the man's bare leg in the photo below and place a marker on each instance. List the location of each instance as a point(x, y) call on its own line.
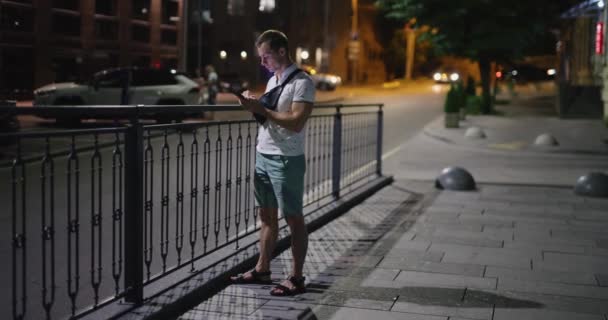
point(299, 243)
point(268, 239)
point(269, 232)
point(299, 246)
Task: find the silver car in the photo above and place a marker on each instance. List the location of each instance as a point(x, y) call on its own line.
point(145, 86)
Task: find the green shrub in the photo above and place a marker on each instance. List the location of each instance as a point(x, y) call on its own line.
point(461, 94)
point(473, 105)
point(452, 101)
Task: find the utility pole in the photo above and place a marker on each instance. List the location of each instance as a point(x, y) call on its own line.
point(184, 20)
point(325, 55)
point(354, 44)
point(199, 34)
point(410, 46)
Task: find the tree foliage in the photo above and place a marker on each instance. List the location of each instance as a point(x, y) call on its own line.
point(483, 30)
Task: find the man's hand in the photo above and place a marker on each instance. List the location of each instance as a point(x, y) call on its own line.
point(251, 104)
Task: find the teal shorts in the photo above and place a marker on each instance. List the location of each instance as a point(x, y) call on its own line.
point(279, 182)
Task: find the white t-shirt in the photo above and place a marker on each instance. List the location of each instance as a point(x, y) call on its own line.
point(274, 139)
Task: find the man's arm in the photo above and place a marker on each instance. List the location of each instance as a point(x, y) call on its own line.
point(293, 120)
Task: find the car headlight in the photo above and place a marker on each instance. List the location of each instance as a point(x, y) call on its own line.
point(454, 76)
point(437, 76)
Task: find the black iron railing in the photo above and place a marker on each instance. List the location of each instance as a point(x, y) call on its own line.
point(97, 215)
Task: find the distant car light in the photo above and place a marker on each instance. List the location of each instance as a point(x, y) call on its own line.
point(551, 72)
point(437, 76)
point(514, 72)
point(454, 77)
point(498, 74)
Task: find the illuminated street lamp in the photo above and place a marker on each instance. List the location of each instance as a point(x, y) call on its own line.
point(243, 55)
point(223, 55)
point(304, 54)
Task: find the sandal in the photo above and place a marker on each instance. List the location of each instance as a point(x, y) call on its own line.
point(298, 287)
point(255, 277)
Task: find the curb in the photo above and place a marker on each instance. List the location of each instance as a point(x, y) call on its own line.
point(219, 282)
point(430, 131)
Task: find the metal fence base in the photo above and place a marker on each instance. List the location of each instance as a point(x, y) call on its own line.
point(181, 304)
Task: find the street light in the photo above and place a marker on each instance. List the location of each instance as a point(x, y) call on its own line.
point(223, 55)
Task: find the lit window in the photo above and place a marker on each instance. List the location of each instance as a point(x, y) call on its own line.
point(267, 5)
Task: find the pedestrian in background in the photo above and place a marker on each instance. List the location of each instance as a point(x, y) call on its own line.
point(212, 84)
point(280, 161)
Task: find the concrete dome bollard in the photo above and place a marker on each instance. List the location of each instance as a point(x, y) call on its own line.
point(455, 178)
point(546, 140)
point(475, 133)
point(594, 184)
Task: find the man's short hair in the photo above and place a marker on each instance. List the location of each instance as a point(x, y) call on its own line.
point(275, 38)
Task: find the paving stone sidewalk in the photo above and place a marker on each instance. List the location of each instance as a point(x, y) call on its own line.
point(412, 252)
point(521, 246)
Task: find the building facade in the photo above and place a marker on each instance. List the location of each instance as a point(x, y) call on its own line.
point(44, 41)
point(581, 54)
point(319, 33)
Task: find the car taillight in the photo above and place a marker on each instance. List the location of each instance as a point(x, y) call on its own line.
point(195, 90)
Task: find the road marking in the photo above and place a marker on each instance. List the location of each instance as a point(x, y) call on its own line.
point(515, 145)
point(391, 153)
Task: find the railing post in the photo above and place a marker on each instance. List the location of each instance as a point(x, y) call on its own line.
point(337, 154)
point(379, 140)
point(134, 251)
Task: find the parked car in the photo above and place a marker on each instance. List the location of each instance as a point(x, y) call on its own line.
point(323, 81)
point(446, 75)
point(147, 86)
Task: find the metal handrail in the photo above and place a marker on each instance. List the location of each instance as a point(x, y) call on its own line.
point(159, 196)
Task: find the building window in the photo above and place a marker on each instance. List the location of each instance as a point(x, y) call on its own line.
point(140, 33)
point(267, 5)
point(141, 61)
point(65, 24)
point(105, 7)
point(303, 8)
point(106, 29)
point(169, 12)
point(236, 7)
point(18, 19)
point(141, 9)
point(168, 36)
point(66, 4)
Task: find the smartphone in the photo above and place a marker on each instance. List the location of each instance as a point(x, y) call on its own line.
point(238, 94)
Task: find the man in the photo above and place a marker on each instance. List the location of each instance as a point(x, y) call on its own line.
point(280, 162)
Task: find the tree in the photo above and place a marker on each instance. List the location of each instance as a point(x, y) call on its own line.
point(485, 31)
